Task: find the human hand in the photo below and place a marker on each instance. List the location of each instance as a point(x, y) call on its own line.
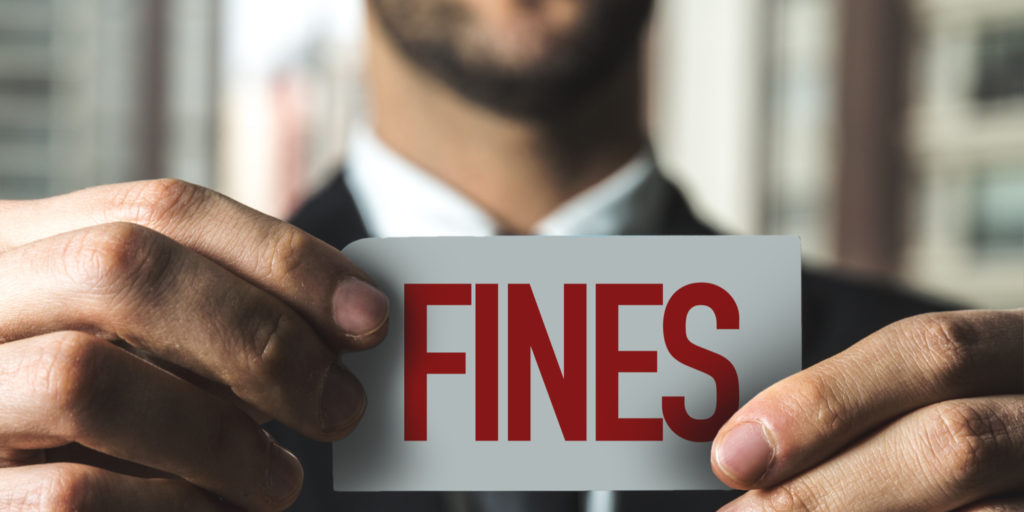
point(925, 414)
point(238, 311)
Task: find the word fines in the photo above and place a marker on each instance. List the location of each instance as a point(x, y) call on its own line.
point(566, 385)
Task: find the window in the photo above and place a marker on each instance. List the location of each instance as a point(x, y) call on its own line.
point(26, 89)
point(1000, 64)
point(998, 210)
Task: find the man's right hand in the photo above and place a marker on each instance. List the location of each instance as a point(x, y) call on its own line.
point(145, 331)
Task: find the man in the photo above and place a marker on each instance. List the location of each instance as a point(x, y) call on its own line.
point(152, 327)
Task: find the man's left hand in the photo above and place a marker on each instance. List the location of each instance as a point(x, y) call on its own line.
point(925, 414)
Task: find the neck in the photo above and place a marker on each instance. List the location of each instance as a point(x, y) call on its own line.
point(519, 170)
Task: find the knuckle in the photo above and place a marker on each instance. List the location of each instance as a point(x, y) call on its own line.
point(223, 429)
point(266, 351)
point(946, 342)
point(818, 399)
point(70, 374)
point(232, 433)
point(69, 488)
point(963, 441)
point(114, 257)
point(287, 251)
point(269, 334)
point(218, 433)
point(273, 357)
point(788, 498)
point(158, 202)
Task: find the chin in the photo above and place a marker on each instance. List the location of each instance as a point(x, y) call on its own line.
point(521, 57)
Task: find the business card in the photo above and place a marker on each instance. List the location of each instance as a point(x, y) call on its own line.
point(575, 363)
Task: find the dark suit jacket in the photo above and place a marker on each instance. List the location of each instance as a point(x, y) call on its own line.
point(836, 313)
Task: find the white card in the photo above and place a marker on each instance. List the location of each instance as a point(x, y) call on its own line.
point(543, 363)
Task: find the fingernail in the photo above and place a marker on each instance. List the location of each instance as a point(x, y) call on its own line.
point(342, 400)
point(746, 452)
point(359, 308)
point(284, 473)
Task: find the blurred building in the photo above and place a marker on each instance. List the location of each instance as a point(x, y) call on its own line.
point(284, 136)
point(27, 98)
point(291, 82)
point(100, 91)
point(888, 134)
point(966, 138)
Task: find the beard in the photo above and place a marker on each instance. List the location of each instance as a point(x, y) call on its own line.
point(552, 73)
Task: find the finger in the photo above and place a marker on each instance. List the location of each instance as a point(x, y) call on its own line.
point(805, 418)
point(59, 487)
point(126, 281)
point(1001, 504)
point(67, 386)
point(940, 457)
point(79, 454)
point(312, 277)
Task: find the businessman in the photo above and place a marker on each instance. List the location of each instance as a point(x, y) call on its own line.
point(149, 331)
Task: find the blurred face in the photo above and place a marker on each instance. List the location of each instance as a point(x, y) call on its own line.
point(526, 58)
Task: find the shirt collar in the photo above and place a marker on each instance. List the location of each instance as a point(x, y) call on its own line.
point(396, 198)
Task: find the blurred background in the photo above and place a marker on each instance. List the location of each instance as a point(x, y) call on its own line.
point(888, 134)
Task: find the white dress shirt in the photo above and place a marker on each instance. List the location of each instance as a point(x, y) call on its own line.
point(396, 198)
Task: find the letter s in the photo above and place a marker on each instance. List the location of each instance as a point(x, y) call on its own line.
point(701, 359)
